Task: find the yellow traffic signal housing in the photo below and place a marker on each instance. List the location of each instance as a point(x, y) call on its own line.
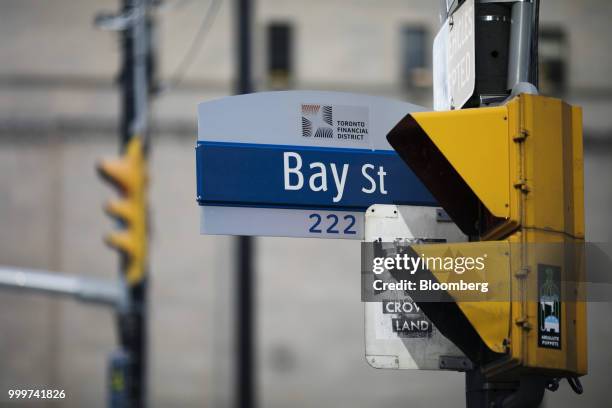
point(511, 177)
point(128, 175)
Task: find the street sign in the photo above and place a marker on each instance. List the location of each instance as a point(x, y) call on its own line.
point(441, 97)
point(461, 58)
point(454, 55)
point(398, 335)
point(299, 163)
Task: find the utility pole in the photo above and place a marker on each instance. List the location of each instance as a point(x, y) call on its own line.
point(506, 64)
point(135, 84)
point(245, 311)
point(129, 174)
point(506, 45)
point(135, 81)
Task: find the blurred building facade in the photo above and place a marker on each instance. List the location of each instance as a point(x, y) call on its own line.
point(59, 113)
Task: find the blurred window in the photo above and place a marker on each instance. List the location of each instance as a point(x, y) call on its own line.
point(553, 60)
point(413, 44)
point(280, 54)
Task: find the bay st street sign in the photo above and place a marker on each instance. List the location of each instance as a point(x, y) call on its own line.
point(299, 163)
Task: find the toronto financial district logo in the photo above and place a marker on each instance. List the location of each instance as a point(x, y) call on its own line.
point(339, 122)
point(318, 118)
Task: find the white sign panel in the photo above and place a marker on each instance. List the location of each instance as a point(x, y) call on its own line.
point(441, 96)
point(282, 222)
point(299, 163)
point(398, 334)
point(461, 60)
point(454, 59)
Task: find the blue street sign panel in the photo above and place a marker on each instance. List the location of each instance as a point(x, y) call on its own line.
point(304, 177)
point(299, 163)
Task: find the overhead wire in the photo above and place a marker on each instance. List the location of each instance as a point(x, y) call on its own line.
point(196, 45)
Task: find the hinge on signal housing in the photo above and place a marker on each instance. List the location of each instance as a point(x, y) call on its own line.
point(521, 136)
point(522, 185)
point(522, 273)
point(523, 323)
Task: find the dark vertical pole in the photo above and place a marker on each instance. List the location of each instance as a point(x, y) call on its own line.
point(135, 92)
point(243, 46)
point(245, 300)
point(506, 55)
point(245, 325)
point(126, 79)
point(137, 65)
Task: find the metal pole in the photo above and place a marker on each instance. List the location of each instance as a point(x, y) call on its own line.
point(134, 72)
point(493, 84)
point(244, 10)
point(534, 77)
point(245, 300)
point(83, 289)
point(135, 92)
point(520, 52)
point(127, 374)
point(245, 325)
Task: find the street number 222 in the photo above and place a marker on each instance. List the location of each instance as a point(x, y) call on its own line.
point(333, 223)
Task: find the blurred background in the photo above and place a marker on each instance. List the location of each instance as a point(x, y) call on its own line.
point(59, 114)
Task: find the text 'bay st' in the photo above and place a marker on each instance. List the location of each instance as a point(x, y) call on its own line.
point(294, 172)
